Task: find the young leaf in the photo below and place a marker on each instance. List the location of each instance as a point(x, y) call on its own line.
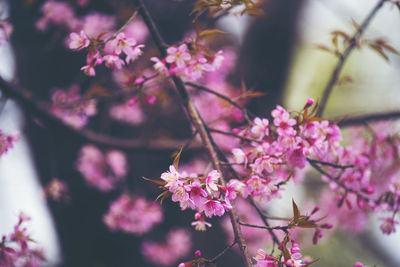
point(296, 212)
point(159, 182)
point(210, 32)
point(177, 157)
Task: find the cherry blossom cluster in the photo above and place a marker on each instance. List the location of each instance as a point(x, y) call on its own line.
point(200, 193)
point(93, 32)
point(16, 249)
point(372, 182)
point(133, 214)
point(7, 142)
point(177, 245)
point(290, 257)
point(108, 51)
point(277, 150)
point(187, 62)
point(102, 170)
point(71, 107)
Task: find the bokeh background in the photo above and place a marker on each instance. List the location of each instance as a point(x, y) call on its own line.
point(276, 55)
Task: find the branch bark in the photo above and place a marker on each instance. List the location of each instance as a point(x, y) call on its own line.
point(198, 123)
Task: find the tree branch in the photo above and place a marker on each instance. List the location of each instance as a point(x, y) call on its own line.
point(359, 120)
point(352, 44)
point(198, 123)
point(41, 110)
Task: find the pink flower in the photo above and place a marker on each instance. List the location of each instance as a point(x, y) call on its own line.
point(211, 181)
point(171, 177)
point(179, 56)
point(113, 61)
point(239, 156)
point(78, 41)
point(95, 167)
point(197, 193)
point(121, 43)
point(213, 207)
point(260, 128)
point(133, 215)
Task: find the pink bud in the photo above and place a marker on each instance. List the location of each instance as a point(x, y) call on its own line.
point(197, 216)
point(326, 226)
point(317, 208)
point(132, 101)
point(197, 253)
point(360, 203)
point(309, 103)
point(235, 130)
point(139, 80)
point(368, 190)
point(151, 99)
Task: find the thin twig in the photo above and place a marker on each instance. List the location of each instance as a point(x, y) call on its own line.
point(198, 123)
point(227, 99)
point(337, 166)
point(352, 44)
point(122, 27)
point(234, 135)
point(360, 120)
point(264, 219)
point(283, 228)
point(223, 252)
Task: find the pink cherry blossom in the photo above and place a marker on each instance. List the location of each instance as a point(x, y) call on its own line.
point(133, 214)
point(78, 41)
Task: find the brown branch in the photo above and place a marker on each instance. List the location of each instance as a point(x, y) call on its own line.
point(223, 252)
point(342, 59)
point(283, 228)
point(227, 99)
point(30, 103)
point(359, 120)
point(199, 124)
point(337, 166)
point(234, 135)
point(122, 28)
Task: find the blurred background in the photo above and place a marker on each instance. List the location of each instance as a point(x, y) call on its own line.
point(276, 56)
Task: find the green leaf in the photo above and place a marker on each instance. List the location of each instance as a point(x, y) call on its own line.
point(210, 32)
point(162, 196)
